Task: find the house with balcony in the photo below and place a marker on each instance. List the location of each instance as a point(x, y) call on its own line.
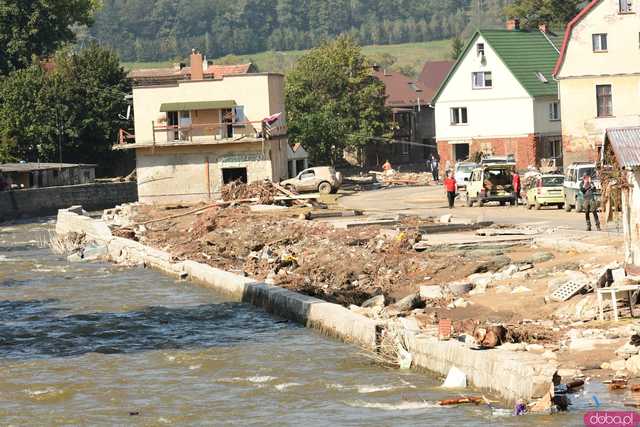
point(598, 77)
point(500, 99)
point(193, 136)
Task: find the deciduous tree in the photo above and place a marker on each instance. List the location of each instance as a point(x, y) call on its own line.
point(37, 27)
point(334, 102)
point(536, 12)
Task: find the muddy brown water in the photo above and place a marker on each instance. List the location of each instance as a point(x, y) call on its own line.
point(96, 344)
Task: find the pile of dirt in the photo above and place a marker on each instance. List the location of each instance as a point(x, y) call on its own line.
point(264, 191)
point(314, 258)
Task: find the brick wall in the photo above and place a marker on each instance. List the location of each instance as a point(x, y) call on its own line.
point(524, 149)
point(46, 201)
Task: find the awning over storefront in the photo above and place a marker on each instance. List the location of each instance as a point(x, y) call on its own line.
point(196, 105)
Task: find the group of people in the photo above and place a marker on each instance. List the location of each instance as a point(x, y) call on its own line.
point(587, 189)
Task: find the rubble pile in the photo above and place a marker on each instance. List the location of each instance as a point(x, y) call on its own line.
point(405, 178)
point(264, 191)
point(346, 266)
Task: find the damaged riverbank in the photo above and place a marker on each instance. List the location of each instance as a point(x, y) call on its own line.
point(511, 375)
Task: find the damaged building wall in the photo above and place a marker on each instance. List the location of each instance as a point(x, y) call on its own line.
point(193, 173)
point(261, 95)
point(582, 67)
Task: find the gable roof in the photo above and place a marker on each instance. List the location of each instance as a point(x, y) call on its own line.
point(159, 75)
point(399, 89)
point(626, 145)
point(524, 53)
point(567, 35)
point(432, 75)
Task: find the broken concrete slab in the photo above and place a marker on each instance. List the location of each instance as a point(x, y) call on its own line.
point(431, 292)
point(377, 301)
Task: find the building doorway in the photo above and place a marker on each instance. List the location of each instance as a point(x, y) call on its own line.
point(234, 175)
point(461, 152)
point(172, 125)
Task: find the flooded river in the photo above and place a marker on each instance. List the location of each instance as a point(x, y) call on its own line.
point(96, 344)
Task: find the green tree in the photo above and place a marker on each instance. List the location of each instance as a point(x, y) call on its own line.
point(37, 27)
point(333, 102)
point(536, 12)
point(77, 105)
point(457, 46)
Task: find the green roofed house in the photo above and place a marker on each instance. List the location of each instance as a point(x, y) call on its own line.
point(500, 99)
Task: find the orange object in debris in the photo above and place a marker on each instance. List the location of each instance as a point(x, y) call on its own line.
point(444, 329)
point(387, 166)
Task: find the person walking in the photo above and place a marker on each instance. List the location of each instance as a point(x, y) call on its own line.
point(451, 186)
point(435, 169)
point(517, 187)
point(588, 190)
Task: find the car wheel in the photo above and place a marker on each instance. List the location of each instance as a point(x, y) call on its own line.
point(560, 206)
point(503, 203)
point(512, 202)
point(290, 188)
point(481, 203)
point(538, 206)
point(324, 188)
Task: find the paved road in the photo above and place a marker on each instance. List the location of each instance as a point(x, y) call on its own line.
point(431, 201)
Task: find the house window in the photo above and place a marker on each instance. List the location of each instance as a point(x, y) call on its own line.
point(626, 6)
point(482, 80)
point(480, 47)
point(604, 100)
point(238, 114)
point(599, 42)
point(554, 111)
point(459, 116)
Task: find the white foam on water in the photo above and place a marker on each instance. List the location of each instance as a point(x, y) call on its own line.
point(3, 258)
point(260, 379)
point(402, 406)
point(254, 380)
point(335, 386)
point(194, 367)
point(366, 389)
point(283, 387)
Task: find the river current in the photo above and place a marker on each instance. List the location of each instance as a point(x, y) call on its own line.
point(97, 344)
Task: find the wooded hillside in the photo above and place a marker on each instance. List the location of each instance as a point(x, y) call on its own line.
point(150, 30)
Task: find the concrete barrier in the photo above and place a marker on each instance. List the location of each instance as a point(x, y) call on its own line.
point(46, 201)
point(511, 375)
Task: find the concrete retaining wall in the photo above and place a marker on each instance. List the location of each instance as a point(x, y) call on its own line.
point(512, 375)
point(46, 201)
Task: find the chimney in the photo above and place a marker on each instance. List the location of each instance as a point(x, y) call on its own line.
point(544, 28)
point(513, 24)
point(196, 65)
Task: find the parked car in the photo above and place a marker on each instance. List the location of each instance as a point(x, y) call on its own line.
point(546, 190)
point(573, 177)
point(491, 183)
point(323, 179)
point(463, 173)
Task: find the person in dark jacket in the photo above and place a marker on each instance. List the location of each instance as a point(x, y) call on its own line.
point(588, 190)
